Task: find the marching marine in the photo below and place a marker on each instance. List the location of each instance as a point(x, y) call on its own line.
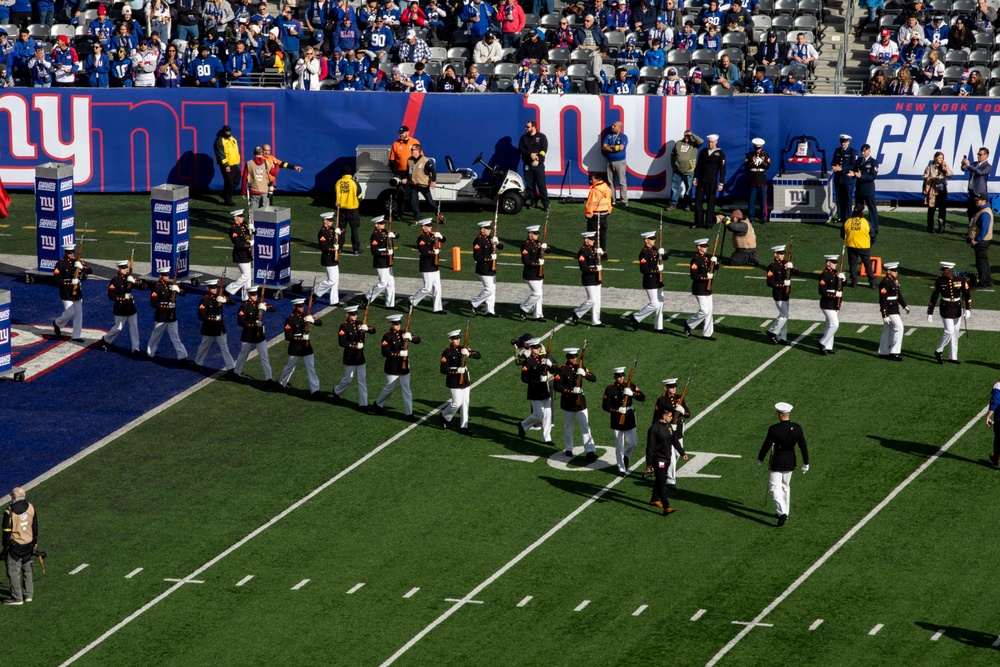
point(241, 236)
point(702, 274)
point(351, 337)
point(780, 442)
point(382, 261)
point(120, 292)
point(955, 298)
point(831, 293)
point(484, 252)
point(533, 273)
point(457, 380)
point(69, 272)
point(429, 246)
point(297, 327)
point(573, 401)
point(251, 320)
point(163, 298)
point(213, 327)
point(890, 298)
point(396, 350)
point(329, 247)
point(589, 258)
point(535, 373)
point(619, 401)
point(651, 267)
point(675, 405)
point(779, 279)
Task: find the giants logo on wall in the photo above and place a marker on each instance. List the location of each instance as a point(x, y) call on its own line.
point(51, 129)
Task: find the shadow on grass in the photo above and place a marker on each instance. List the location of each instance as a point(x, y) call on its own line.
point(924, 450)
point(973, 638)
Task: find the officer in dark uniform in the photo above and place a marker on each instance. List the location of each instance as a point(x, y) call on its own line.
point(890, 298)
point(831, 293)
point(251, 320)
point(163, 298)
point(328, 238)
point(757, 162)
point(843, 167)
point(619, 401)
point(213, 327)
point(866, 171)
point(955, 298)
point(589, 258)
point(396, 351)
point(458, 381)
point(382, 261)
point(661, 449)
point(120, 292)
point(677, 408)
point(533, 272)
point(69, 272)
point(241, 236)
point(702, 273)
point(429, 246)
point(297, 328)
point(709, 178)
point(536, 373)
point(651, 267)
point(351, 337)
point(779, 279)
point(484, 252)
point(780, 442)
point(573, 402)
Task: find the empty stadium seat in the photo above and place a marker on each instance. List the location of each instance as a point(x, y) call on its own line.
point(994, 91)
point(956, 57)
point(433, 69)
point(38, 31)
point(928, 89)
point(615, 39)
point(650, 73)
point(679, 57)
point(558, 56)
point(718, 90)
point(703, 57)
point(953, 74)
point(785, 7)
point(646, 89)
point(980, 58)
point(960, 7)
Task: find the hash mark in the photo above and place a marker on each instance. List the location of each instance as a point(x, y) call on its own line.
point(937, 635)
point(244, 580)
point(300, 584)
point(862, 329)
point(80, 568)
point(130, 574)
point(640, 610)
point(411, 593)
point(355, 588)
point(874, 631)
point(525, 601)
point(582, 605)
point(818, 622)
point(698, 614)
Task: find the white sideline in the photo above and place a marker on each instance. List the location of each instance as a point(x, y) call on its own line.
point(278, 517)
point(843, 540)
point(572, 515)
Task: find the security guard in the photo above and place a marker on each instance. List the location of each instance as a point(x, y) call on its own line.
point(677, 409)
point(351, 337)
point(297, 327)
point(780, 441)
point(329, 248)
point(69, 272)
point(532, 262)
point(844, 164)
point(702, 272)
point(955, 297)
point(120, 292)
point(598, 208)
point(213, 327)
point(890, 298)
point(651, 267)
point(779, 279)
point(661, 449)
point(757, 162)
point(709, 178)
point(163, 298)
point(457, 380)
point(536, 373)
point(831, 293)
point(589, 258)
point(573, 402)
point(241, 236)
point(20, 537)
point(348, 194)
point(619, 401)
point(396, 351)
point(251, 319)
point(382, 261)
point(429, 246)
point(484, 252)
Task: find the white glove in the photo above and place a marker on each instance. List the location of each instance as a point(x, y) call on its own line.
point(968, 314)
point(393, 235)
point(628, 392)
point(661, 252)
point(541, 262)
point(493, 256)
point(262, 306)
point(679, 408)
point(462, 370)
point(407, 335)
point(175, 289)
point(581, 372)
point(787, 283)
point(364, 327)
point(437, 251)
point(789, 265)
point(221, 299)
point(659, 267)
point(545, 246)
point(309, 318)
point(360, 345)
point(711, 276)
point(404, 353)
point(886, 320)
point(495, 240)
point(600, 251)
point(546, 377)
point(907, 309)
point(78, 265)
point(805, 468)
point(465, 352)
point(577, 390)
point(336, 246)
point(622, 410)
point(759, 462)
point(130, 280)
point(714, 259)
point(304, 337)
point(841, 277)
point(930, 318)
point(75, 281)
point(390, 252)
point(438, 235)
point(838, 294)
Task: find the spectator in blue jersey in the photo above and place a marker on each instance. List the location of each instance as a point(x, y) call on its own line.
point(413, 49)
point(134, 26)
point(368, 14)
point(373, 78)
point(477, 16)
point(290, 30)
point(761, 84)
point(726, 74)
point(564, 86)
point(435, 16)
point(738, 19)
point(630, 57)
point(101, 29)
point(6, 51)
point(347, 37)
point(40, 68)
point(170, 68)
point(392, 15)
point(262, 18)
point(769, 51)
point(655, 56)
point(623, 83)
point(97, 67)
point(524, 78)
point(240, 65)
point(378, 38)
point(912, 53)
point(316, 14)
point(711, 39)
point(20, 12)
point(46, 11)
point(5, 16)
point(24, 50)
point(65, 63)
point(619, 18)
point(340, 9)
point(962, 88)
point(937, 33)
point(121, 69)
point(188, 18)
point(242, 11)
point(449, 81)
point(206, 69)
point(351, 82)
point(600, 14)
point(711, 15)
point(123, 37)
point(791, 86)
point(670, 15)
point(217, 46)
point(422, 81)
point(474, 82)
point(697, 84)
point(686, 38)
point(544, 82)
point(337, 66)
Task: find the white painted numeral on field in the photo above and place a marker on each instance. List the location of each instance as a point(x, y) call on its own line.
point(300, 584)
point(355, 588)
point(698, 614)
point(818, 622)
point(411, 592)
point(874, 631)
point(79, 568)
point(640, 610)
point(525, 601)
point(245, 580)
point(133, 573)
point(582, 605)
point(698, 460)
point(606, 459)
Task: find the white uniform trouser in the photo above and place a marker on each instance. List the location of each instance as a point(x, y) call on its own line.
point(293, 361)
point(672, 468)
point(592, 304)
point(350, 373)
point(704, 314)
point(780, 490)
point(533, 304)
point(175, 338)
point(133, 330)
point(244, 281)
point(391, 381)
point(265, 361)
point(780, 326)
point(386, 283)
point(655, 305)
point(432, 287)
point(950, 335)
point(331, 284)
point(832, 324)
point(72, 310)
point(625, 442)
point(569, 418)
point(892, 336)
point(206, 344)
point(541, 413)
point(488, 295)
point(459, 404)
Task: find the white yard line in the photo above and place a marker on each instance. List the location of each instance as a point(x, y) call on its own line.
point(245, 580)
point(862, 328)
point(874, 631)
point(410, 593)
point(133, 573)
point(525, 601)
point(355, 588)
point(996, 642)
point(640, 610)
point(278, 517)
point(579, 510)
point(300, 584)
point(79, 568)
point(843, 540)
point(818, 622)
point(765, 323)
point(582, 605)
point(698, 614)
point(910, 332)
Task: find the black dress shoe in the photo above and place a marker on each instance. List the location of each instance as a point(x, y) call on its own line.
point(771, 337)
point(465, 431)
point(939, 357)
point(539, 319)
point(315, 396)
point(671, 487)
point(823, 351)
point(523, 315)
point(599, 325)
point(574, 319)
point(954, 361)
point(77, 340)
point(442, 422)
point(335, 397)
point(591, 456)
point(831, 351)
point(687, 329)
point(708, 337)
point(782, 519)
point(634, 322)
point(55, 327)
point(440, 312)
point(379, 410)
point(521, 433)
point(364, 302)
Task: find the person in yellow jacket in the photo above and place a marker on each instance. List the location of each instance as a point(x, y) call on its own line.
point(227, 156)
point(857, 237)
point(599, 204)
point(348, 194)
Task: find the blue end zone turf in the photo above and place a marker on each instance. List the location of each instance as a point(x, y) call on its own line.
point(53, 416)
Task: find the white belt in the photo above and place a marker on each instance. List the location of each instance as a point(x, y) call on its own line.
point(891, 298)
point(168, 306)
point(950, 300)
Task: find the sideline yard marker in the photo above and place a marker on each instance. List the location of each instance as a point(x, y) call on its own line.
point(874, 631)
point(133, 573)
point(79, 568)
point(410, 593)
point(300, 584)
point(355, 588)
point(582, 605)
point(818, 622)
point(527, 599)
point(698, 614)
point(245, 580)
